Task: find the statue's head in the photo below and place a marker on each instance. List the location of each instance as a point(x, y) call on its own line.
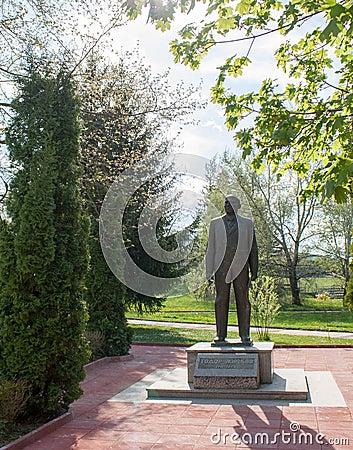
point(231, 204)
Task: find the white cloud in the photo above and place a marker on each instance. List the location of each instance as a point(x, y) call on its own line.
point(204, 142)
point(212, 124)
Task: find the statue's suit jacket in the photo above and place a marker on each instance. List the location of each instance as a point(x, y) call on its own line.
point(246, 252)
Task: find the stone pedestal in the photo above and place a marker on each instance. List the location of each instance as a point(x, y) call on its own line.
point(235, 365)
point(231, 371)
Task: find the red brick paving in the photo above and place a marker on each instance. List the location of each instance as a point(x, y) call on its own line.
point(100, 424)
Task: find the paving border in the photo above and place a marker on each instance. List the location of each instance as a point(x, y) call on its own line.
point(166, 344)
point(54, 424)
point(101, 361)
point(40, 432)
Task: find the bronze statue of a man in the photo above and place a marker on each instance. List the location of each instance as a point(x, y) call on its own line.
point(232, 258)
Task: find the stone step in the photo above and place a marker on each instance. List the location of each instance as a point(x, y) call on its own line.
point(287, 384)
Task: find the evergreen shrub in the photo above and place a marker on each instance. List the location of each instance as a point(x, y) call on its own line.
point(43, 246)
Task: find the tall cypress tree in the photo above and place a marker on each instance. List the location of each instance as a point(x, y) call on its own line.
point(43, 246)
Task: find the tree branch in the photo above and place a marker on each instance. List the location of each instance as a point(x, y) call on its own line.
point(303, 113)
point(96, 42)
point(337, 88)
point(171, 106)
point(266, 33)
point(8, 72)
point(2, 197)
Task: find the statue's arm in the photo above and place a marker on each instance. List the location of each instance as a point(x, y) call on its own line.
point(254, 259)
point(210, 252)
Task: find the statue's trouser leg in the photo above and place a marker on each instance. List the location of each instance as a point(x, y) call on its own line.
point(241, 290)
point(221, 305)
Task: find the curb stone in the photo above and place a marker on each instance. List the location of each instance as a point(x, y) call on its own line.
point(40, 432)
point(99, 362)
point(165, 344)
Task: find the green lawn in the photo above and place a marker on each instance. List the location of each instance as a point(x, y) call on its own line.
point(326, 321)
point(313, 315)
point(168, 335)
point(314, 304)
point(190, 303)
point(319, 283)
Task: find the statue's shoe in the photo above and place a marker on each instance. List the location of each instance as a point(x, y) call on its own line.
point(220, 341)
point(247, 342)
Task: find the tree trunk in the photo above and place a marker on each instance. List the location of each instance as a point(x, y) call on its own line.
point(294, 287)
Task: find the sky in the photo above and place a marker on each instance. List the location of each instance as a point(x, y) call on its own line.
point(209, 136)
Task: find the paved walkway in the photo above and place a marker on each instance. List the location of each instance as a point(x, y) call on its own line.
point(104, 422)
point(204, 326)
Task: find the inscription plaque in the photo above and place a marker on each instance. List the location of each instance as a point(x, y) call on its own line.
point(228, 370)
point(235, 364)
